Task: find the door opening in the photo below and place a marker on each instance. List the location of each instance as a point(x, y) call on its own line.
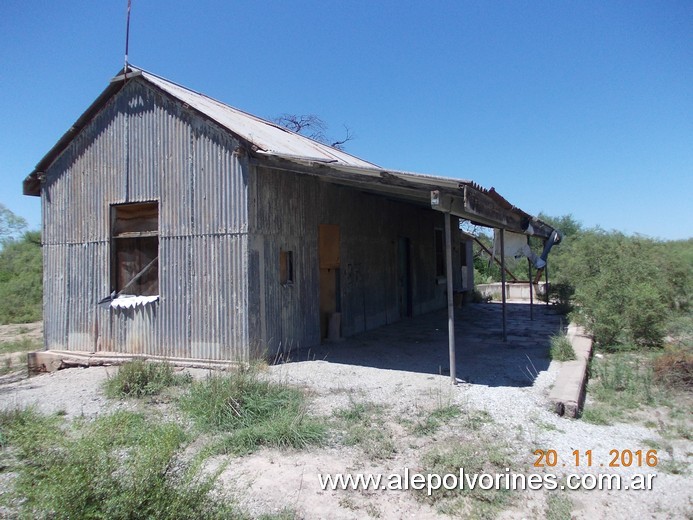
point(329, 260)
point(404, 286)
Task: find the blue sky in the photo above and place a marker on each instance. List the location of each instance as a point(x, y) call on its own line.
point(582, 108)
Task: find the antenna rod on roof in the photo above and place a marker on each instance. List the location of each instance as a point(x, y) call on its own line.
point(127, 43)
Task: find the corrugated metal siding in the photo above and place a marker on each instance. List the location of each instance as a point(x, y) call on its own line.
point(145, 146)
point(287, 209)
point(55, 302)
point(218, 321)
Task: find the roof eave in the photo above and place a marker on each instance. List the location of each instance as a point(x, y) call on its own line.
point(466, 199)
point(32, 183)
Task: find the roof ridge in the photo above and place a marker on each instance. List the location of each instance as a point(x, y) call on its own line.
point(326, 147)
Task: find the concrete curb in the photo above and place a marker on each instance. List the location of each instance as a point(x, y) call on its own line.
point(568, 393)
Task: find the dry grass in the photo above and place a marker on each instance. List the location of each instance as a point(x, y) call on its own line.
point(674, 368)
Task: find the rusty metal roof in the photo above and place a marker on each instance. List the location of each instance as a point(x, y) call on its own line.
point(265, 135)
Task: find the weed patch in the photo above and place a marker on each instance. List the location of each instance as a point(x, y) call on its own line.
point(674, 368)
point(476, 419)
point(250, 412)
point(19, 345)
point(432, 422)
point(11, 364)
point(140, 378)
point(119, 466)
point(363, 426)
point(597, 413)
point(621, 383)
point(558, 506)
point(474, 457)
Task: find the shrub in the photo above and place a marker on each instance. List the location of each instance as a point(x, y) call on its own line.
point(621, 288)
point(561, 294)
point(251, 412)
point(674, 368)
point(21, 279)
point(139, 378)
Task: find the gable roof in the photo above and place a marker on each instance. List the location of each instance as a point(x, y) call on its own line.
point(263, 135)
point(280, 148)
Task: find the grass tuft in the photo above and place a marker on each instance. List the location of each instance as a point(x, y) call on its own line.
point(251, 412)
point(139, 378)
point(363, 425)
point(433, 421)
point(561, 348)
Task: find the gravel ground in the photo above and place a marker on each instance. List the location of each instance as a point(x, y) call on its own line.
point(269, 480)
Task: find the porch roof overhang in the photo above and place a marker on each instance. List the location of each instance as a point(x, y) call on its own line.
point(460, 198)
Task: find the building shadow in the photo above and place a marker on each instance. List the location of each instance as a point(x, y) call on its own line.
point(420, 345)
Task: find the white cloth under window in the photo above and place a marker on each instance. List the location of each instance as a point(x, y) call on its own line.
point(126, 301)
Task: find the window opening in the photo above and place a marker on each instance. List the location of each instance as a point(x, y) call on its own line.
point(286, 267)
point(135, 247)
point(440, 253)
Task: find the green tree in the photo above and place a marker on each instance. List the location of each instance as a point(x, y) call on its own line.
point(625, 287)
point(11, 225)
point(567, 224)
point(21, 274)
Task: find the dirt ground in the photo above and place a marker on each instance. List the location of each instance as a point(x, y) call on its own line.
point(32, 331)
point(503, 403)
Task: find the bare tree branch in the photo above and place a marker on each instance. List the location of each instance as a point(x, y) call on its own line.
point(312, 127)
point(339, 145)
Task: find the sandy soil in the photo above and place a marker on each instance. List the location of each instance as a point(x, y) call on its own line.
point(519, 416)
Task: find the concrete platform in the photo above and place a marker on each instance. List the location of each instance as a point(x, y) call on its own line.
point(568, 393)
point(420, 345)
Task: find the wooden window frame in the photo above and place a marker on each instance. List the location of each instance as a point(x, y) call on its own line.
point(135, 248)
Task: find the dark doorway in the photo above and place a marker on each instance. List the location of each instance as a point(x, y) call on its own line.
point(404, 296)
point(329, 259)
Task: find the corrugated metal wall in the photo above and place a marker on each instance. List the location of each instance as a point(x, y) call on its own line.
point(144, 146)
point(285, 213)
